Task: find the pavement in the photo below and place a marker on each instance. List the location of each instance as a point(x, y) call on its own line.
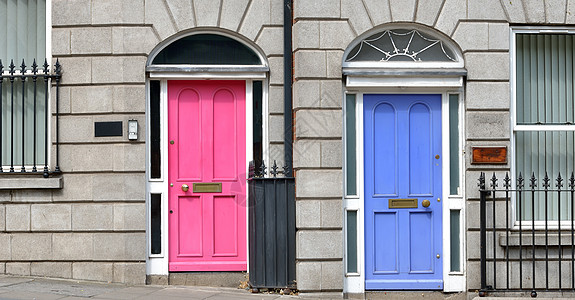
point(31, 288)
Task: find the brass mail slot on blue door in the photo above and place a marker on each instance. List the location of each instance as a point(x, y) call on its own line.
point(207, 187)
point(403, 203)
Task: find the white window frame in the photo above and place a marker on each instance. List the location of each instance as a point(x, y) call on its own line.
point(513, 31)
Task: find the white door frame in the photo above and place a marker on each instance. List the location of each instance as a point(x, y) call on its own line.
point(157, 264)
point(453, 281)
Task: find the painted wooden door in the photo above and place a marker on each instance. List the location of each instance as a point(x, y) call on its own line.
point(402, 142)
point(207, 154)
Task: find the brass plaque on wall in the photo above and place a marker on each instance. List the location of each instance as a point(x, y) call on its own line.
point(207, 187)
point(489, 155)
point(403, 203)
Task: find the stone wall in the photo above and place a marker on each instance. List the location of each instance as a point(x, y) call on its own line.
point(323, 29)
point(94, 227)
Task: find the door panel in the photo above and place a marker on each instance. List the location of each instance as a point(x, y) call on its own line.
point(402, 136)
point(206, 130)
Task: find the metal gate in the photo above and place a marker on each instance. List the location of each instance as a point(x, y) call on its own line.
point(271, 228)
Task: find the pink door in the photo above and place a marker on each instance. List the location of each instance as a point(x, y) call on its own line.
point(207, 175)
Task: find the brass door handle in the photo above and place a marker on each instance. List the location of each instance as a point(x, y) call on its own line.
point(185, 187)
point(425, 203)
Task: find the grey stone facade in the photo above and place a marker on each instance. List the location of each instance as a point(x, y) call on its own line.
point(90, 223)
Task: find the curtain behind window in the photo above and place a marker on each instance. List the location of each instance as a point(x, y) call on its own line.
point(545, 97)
point(22, 37)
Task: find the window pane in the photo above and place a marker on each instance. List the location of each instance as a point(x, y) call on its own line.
point(207, 49)
point(258, 123)
point(23, 35)
point(454, 144)
point(544, 78)
point(156, 223)
point(539, 153)
point(350, 136)
point(455, 241)
point(155, 130)
point(351, 241)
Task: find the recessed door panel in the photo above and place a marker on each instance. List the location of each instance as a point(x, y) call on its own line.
point(190, 227)
point(224, 137)
point(402, 144)
point(189, 134)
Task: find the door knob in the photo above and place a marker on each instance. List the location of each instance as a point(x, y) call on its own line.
point(185, 188)
point(425, 203)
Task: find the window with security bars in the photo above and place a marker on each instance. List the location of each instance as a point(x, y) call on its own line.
point(545, 120)
point(24, 84)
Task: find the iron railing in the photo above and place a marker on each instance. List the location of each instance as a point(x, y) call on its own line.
point(24, 104)
point(271, 227)
point(527, 235)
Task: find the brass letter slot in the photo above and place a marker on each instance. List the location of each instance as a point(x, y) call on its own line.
point(403, 203)
point(207, 187)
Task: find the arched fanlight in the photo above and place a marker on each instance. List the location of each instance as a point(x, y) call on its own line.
point(397, 45)
point(206, 49)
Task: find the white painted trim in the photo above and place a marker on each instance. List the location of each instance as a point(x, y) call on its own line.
point(453, 282)
point(207, 75)
point(418, 82)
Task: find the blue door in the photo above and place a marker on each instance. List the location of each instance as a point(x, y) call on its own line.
point(402, 142)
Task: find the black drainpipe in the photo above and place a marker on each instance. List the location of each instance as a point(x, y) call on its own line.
point(288, 124)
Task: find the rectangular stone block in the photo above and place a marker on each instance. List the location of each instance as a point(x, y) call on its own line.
point(125, 69)
point(51, 269)
point(310, 64)
point(60, 41)
point(132, 40)
point(18, 217)
point(276, 128)
point(306, 93)
point(78, 70)
point(80, 128)
point(318, 123)
point(73, 246)
point(305, 34)
point(97, 271)
point(126, 187)
point(120, 246)
point(499, 36)
point(317, 9)
point(308, 276)
point(130, 99)
point(114, 12)
point(92, 217)
point(2, 268)
point(486, 10)
point(130, 216)
point(479, 66)
point(307, 213)
point(5, 247)
point(276, 99)
point(51, 217)
point(31, 246)
point(92, 99)
point(331, 154)
point(319, 244)
point(61, 12)
point(91, 40)
point(18, 268)
point(492, 95)
point(331, 213)
point(331, 93)
point(2, 217)
point(276, 70)
point(103, 157)
point(332, 275)
point(306, 154)
point(487, 125)
point(334, 59)
point(130, 273)
point(452, 11)
point(319, 183)
point(277, 153)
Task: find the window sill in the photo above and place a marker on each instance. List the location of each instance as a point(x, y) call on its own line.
point(24, 183)
point(552, 238)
